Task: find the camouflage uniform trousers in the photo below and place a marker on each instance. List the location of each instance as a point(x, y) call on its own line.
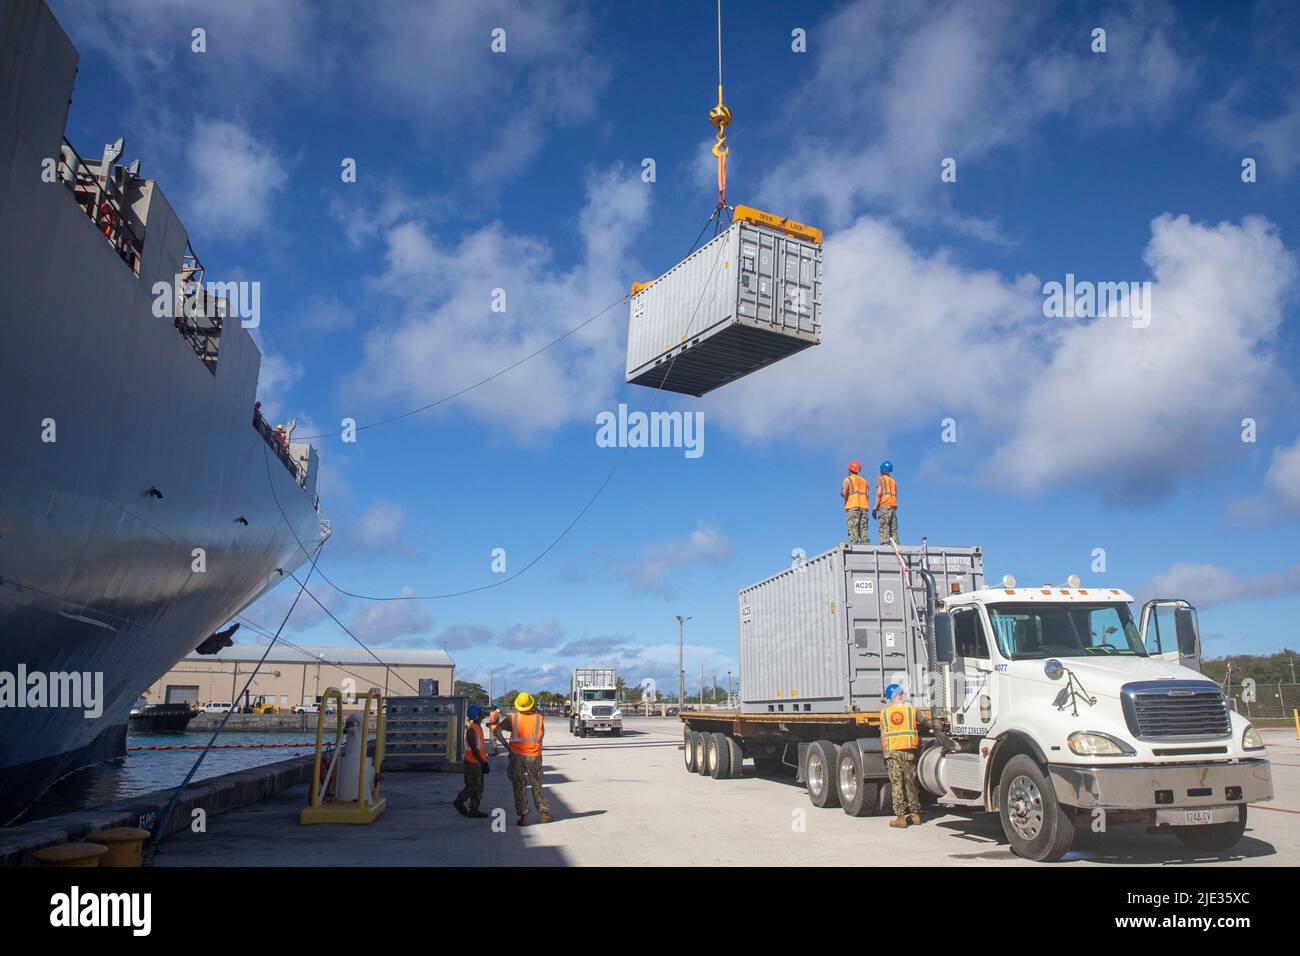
point(473, 791)
point(856, 521)
point(887, 522)
point(524, 771)
point(901, 765)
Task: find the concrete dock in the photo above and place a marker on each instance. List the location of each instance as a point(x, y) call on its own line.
point(628, 801)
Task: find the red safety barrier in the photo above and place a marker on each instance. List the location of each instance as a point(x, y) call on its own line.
point(309, 743)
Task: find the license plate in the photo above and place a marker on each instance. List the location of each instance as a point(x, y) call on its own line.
point(1197, 817)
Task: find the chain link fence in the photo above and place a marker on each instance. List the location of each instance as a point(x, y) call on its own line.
point(1260, 701)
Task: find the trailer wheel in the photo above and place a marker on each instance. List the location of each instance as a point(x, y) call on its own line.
point(1214, 838)
point(702, 753)
point(1035, 823)
point(736, 757)
point(857, 796)
point(688, 739)
point(819, 773)
point(719, 757)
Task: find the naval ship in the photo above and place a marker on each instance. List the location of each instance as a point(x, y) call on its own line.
point(144, 501)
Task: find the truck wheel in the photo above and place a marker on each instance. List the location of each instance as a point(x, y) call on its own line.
point(1035, 823)
point(719, 757)
point(819, 773)
point(618, 731)
point(689, 746)
point(857, 796)
point(582, 729)
point(736, 757)
point(702, 753)
point(1216, 837)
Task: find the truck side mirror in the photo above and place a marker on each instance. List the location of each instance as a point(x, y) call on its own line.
point(944, 638)
point(1189, 638)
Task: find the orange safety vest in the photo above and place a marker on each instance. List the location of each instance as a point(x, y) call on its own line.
point(898, 728)
point(477, 731)
point(886, 492)
point(526, 734)
point(494, 718)
point(859, 493)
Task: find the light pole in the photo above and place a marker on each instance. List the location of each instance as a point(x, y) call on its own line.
point(681, 665)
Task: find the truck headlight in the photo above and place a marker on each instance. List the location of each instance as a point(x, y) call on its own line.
point(1090, 743)
point(1251, 740)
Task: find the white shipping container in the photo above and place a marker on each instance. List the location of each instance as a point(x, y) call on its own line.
point(746, 299)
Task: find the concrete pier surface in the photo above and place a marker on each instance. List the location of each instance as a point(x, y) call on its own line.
point(628, 801)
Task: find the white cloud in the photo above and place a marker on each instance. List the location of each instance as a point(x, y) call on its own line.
point(1209, 585)
point(447, 335)
point(1142, 406)
point(1279, 499)
point(706, 544)
point(383, 622)
point(900, 87)
point(234, 178)
point(914, 339)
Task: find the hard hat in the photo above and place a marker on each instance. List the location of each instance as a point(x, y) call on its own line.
point(886, 466)
point(524, 701)
point(474, 711)
point(496, 704)
point(891, 690)
point(855, 466)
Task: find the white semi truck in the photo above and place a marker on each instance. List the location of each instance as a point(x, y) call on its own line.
point(593, 702)
point(1052, 706)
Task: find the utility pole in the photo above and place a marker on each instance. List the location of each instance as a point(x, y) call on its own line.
point(489, 688)
point(681, 666)
point(701, 684)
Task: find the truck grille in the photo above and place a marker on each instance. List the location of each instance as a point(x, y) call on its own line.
point(1176, 710)
point(602, 711)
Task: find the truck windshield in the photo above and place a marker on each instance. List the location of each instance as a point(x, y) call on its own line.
point(1036, 631)
point(598, 694)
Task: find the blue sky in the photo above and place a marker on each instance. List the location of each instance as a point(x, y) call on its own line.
point(522, 170)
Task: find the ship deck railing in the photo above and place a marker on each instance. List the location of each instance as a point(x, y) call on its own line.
point(271, 437)
point(102, 208)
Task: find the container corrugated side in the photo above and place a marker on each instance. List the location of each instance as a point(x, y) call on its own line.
point(594, 677)
point(691, 299)
point(746, 299)
point(792, 647)
point(828, 635)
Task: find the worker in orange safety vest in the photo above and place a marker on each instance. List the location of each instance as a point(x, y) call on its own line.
point(900, 742)
point(886, 513)
point(857, 504)
point(524, 770)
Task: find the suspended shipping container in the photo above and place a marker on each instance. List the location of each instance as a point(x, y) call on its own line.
point(746, 299)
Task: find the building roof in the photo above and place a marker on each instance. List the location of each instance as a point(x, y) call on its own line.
point(310, 654)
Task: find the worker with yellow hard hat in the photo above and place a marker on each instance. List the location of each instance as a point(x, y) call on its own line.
point(524, 768)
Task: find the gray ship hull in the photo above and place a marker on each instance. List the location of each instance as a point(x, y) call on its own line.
point(140, 508)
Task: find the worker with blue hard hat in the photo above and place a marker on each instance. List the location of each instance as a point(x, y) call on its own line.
point(493, 719)
point(886, 510)
point(476, 765)
point(900, 741)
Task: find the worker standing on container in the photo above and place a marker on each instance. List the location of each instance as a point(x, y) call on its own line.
point(494, 719)
point(886, 513)
point(857, 504)
point(900, 741)
point(476, 765)
point(527, 728)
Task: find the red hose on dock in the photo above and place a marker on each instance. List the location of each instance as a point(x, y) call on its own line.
point(309, 743)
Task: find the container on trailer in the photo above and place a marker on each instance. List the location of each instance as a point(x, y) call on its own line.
point(748, 298)
point(828, 635)
point(593, 677)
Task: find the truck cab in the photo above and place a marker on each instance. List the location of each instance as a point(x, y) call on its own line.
point(593, 704)
point(1059, 710)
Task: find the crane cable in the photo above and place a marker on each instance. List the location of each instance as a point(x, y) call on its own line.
point(720, 119)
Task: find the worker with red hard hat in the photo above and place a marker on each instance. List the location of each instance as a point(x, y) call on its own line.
point(856, 493)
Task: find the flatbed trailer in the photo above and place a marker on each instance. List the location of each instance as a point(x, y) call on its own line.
point(836, 756)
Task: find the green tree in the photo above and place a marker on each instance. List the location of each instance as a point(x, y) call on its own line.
point(474, 693)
